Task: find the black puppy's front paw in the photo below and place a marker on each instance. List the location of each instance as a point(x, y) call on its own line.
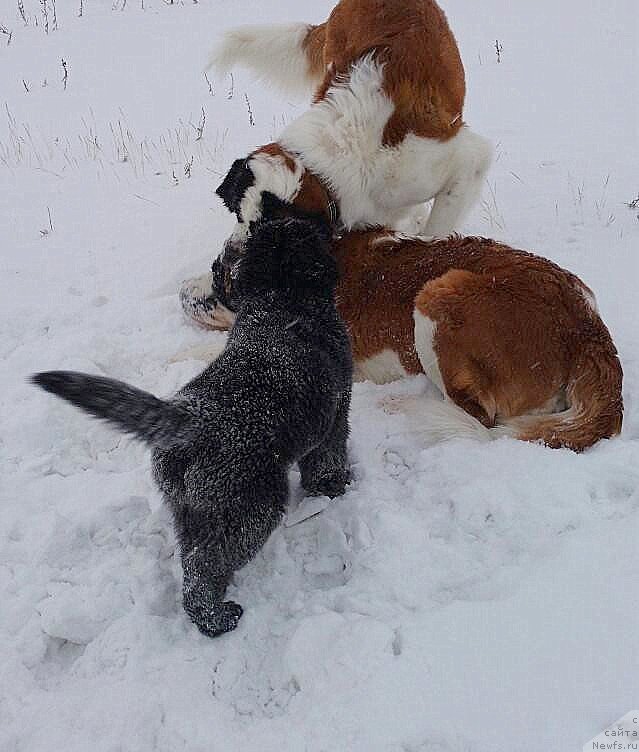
point(328, 485)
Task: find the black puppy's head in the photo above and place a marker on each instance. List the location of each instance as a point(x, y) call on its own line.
point(287, 256)
point(269, 184)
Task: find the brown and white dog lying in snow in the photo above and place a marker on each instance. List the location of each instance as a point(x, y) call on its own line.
point(509, 337)
point(384, 133)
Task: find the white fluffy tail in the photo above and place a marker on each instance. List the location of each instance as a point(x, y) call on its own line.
point(285, 55)
point(437, 420)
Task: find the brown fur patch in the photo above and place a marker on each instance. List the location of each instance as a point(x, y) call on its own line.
point(376, 299)
point(275, 150)
point(312, 196)
point(423, 73)
point(313, 46)
point(513, 330)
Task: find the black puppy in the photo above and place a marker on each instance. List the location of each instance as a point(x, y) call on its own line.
point(279, 393)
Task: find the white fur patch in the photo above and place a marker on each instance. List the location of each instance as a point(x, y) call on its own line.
point(556, 404)
point(340, 140)
point(272, 174)
point(397, 238)
point(206, 353)
point(424, 344)
point(589, 297)
point(390, 239)
point(380, 369)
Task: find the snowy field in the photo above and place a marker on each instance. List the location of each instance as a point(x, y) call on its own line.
point(462, 597)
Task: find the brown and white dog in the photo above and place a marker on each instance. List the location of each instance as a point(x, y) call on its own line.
point(509, 337)
point(385, 132)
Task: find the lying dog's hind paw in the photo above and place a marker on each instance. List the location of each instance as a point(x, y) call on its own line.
point(200, 304)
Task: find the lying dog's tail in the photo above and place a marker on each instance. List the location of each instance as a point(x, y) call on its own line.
point(289, 56)
point(154, 421)
point(595, 408)
point(595, 402)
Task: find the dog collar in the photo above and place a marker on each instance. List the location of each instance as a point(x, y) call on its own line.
point(333, 211)
point(332, 206)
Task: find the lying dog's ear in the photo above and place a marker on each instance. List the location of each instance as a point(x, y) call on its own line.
point(232, 189)
point(291, 256)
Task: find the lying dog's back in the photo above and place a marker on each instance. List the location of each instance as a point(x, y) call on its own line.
point(510, 337)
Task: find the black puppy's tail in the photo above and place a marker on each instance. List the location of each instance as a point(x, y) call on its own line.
point(154, 421)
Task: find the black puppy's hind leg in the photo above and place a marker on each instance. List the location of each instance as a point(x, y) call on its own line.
point(324, 470)
point(205, 572)
point(203, 591)
point(213, 548)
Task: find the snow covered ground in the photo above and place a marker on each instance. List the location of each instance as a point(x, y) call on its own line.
point(459, 598)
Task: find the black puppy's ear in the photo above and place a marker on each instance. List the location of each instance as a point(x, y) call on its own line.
point(273, 207)
point(292, 256)
point(232, 189)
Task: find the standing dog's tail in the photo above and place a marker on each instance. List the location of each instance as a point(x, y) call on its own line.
point(156, 422)
point(287, 55)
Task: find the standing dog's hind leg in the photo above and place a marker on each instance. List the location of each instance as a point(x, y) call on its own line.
point(463, 187)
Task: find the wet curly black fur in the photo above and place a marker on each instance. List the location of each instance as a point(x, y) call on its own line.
point(279, 393)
